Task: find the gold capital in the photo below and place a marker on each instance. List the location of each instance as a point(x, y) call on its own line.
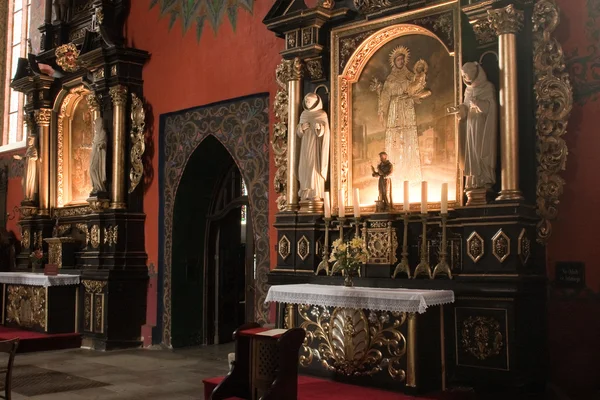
point(92, 100)
point(292, 70)
point(119, 95)
point(506, 20)
point(42, 116)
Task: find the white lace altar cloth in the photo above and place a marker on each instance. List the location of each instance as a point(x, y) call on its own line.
point(33, 279)
point(376, 299)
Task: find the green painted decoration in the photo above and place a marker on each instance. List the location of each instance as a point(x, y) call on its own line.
point(197, 12)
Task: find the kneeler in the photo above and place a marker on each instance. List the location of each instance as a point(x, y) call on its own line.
point(265, 366)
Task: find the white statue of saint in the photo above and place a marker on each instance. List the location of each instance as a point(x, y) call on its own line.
point(98, 160)
point(30, 178)
point(313, 131)
point(480, 109)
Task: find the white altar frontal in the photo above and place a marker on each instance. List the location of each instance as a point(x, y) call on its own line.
point(362, 332)
point(40, 302)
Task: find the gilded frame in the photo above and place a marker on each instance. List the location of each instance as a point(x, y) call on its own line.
point(386, 30)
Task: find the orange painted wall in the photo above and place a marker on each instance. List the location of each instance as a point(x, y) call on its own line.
point(183, 73)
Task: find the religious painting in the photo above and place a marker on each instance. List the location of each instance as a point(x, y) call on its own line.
point(394, 94)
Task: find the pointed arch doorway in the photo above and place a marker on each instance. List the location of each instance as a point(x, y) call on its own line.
point(213, 249)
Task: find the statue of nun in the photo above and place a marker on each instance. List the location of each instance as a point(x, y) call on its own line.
point(30, 178)
point(98, 160)
point(313, 163)
point(480, 109)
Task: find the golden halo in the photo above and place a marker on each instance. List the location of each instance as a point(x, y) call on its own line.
point(420, 63)
point(400, 50)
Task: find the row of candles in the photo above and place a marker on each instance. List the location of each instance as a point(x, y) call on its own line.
point(356, 201)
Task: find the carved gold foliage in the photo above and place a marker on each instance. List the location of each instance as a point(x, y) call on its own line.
point(506, 20)
point(72, 211)
point(55, 254)
point(26, 238)
point(382, 245)
point(483, 31)
point(369, 6)
point(87, 312)
point(94, 287)
point(475, 247)
point(111, 235)
point(554, 96)
point(42, 116)
point(84, 229)
point(303, 248)
point(279, 141)
point(501, 246)
point(26, 305)
point(67, 57)
point(347, 342)
point(138, 146)
point(118, 93)
point(95, 236)
point(99, 313)
point(284, 247)
point(38, 240)
point(481, 337)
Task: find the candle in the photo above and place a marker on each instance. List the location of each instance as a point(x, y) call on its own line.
point(341, 205)
point(406, 197)
point(444, 207)
point(356, 203)
point(423, 197)
point(327, 205)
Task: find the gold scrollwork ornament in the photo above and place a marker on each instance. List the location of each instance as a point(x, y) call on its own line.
point(26, 305)
point(138, 146)
point(481, 337)
point(279, 140)
point(369, 6)
point(95, 236)
point(554, 97)
point(94, 287)
point(67, 57)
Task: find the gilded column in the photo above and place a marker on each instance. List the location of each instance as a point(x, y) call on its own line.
point(506, 22)
point(411, 351)
point(294, 81)
point(118, 94)
point(42, 118)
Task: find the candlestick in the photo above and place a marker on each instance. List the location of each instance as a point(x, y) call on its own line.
point(423, 197)
point(442, 267)
point(444, 205)
point(356, 203)
point(406, 198)
point(336, 265)
point(324, 264)
point(342, 204)
point(403, 264)
point(327, 205)
point(356, 224)
point(423, 268)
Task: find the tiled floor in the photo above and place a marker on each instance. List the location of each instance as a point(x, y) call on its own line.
point(130, 374)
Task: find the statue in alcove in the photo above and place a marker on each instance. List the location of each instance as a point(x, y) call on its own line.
point(313, 131)
point(61, 7)
point(98, 160)
point(30, 177)
point(480, 110)
point(383, 172)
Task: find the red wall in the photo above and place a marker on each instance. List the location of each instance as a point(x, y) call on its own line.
point(183, 73)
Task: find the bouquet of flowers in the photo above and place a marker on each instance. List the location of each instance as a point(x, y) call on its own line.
point(348, 256)
point(37, 258)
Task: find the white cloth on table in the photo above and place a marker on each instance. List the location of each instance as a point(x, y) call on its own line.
point(376, 299)
point(33, 279)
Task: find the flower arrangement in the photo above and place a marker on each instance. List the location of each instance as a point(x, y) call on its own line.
point(37, 258)
point(348, 256)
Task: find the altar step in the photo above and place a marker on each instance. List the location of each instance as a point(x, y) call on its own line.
point(35, 341)
point(311, 388)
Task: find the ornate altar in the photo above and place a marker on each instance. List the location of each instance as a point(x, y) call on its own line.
point(82, 193)
point(435, 161)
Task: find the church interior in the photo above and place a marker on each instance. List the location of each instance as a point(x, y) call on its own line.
point(294, 199)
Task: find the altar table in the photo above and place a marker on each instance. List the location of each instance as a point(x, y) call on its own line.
point(350, 328)
point(39, 302)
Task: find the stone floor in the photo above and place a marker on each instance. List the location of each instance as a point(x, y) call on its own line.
point(129, 374)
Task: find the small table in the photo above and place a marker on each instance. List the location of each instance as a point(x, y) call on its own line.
point(39, 302)
point(350, 327)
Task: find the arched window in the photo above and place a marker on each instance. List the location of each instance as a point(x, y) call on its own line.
point(18, 27)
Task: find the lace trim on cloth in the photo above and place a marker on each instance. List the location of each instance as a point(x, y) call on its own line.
point(33, 279)
point(376, 299)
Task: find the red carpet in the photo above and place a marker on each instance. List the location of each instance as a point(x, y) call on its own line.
point(310, 388)
point(35, 341)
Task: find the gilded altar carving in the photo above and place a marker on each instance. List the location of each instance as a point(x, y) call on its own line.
point(93, 306)
point(72, 211)
point(284, 249)
point(94, 287)
point(348, 342)
point(369, 6)
point(303, 248)
point(138, 146)
point(524, 247)
point(60, 230)
point(475, 247)
point(501, 246)
point(87, 312)
point(288, 316)
point(28, 212)
point(484, 33)
point(506, 20)
point(279, 141)
point(554, 97)
point(26, 238)
point(43, 116)
point(38, 240)
point(55, 254)
point(83, 228)
point(118, 93)
point(481, 337)
point(111, 235)
point(382, 243)
point(67, 57)
point(314, 66)
point(95, 236)
point(26, 305)
point(99, 313)
point(328, 4)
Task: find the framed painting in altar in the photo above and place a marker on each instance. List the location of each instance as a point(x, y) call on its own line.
point(394, 82)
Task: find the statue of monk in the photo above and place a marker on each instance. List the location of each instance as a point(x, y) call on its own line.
point(480, 109)
point(383, 172)
point(30, 177)
point(313, 163)
point(98, 160)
